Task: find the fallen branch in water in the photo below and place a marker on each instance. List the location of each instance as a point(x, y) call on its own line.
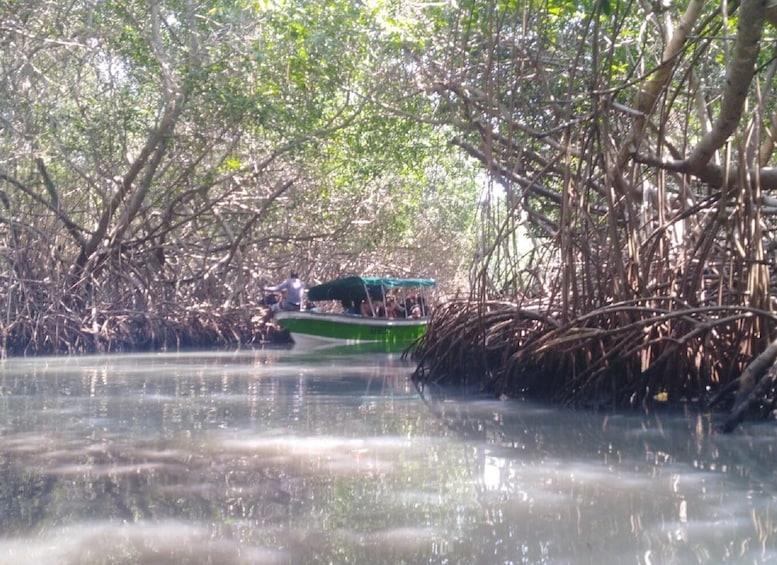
point(757, 393)
point(753, 373)
point(754, 382)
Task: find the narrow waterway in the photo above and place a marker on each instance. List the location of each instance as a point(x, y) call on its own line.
point(275, 457)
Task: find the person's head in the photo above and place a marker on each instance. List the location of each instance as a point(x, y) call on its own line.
point(294, 275)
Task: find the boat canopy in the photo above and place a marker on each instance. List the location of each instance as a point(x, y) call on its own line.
point(353, 288)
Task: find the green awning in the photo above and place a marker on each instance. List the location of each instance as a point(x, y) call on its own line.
point(353, 288)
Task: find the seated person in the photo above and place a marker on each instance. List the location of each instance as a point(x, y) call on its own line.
point(364, 308)
point(292, 291)
point(409, 303)
point(349, 307)
point(420, 303)
point(393, 309)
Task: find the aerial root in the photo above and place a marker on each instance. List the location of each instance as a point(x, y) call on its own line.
point(624, 354)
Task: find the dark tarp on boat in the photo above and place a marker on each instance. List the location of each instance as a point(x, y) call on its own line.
point(353, 288)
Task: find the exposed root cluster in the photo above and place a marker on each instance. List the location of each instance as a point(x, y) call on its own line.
point(633, 353)
point(60, 333)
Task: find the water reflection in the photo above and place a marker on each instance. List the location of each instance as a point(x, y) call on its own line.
point(270, 457)
point(648, 489)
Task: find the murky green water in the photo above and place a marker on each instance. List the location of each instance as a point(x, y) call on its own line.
point(272, 457)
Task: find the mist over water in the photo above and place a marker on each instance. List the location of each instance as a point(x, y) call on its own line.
point(274, 457)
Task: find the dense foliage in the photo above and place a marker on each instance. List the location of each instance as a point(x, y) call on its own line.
point(633, 145)
point(161, 162)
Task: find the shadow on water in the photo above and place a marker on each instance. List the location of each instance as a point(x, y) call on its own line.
point(273, 457)
point(197, 458)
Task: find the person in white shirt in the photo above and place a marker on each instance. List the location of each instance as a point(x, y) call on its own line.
point(291, 300)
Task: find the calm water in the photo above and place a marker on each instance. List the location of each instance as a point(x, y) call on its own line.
point(271, 457)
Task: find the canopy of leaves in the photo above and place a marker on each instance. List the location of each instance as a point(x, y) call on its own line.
point(164, 157)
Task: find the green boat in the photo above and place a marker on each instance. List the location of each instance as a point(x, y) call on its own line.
point(337, 323)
